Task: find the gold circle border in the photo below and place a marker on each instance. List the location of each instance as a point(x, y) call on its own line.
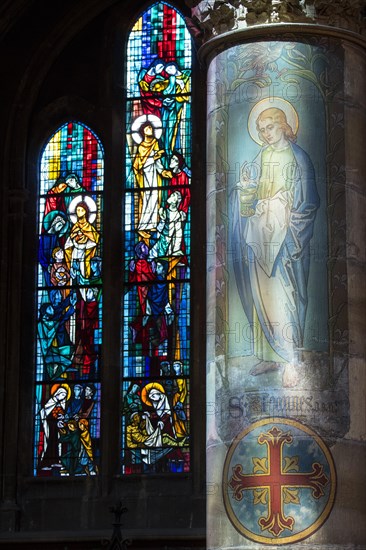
point(333, 481)
point(268, 103)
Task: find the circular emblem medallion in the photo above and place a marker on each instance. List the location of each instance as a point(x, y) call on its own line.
point(279, 481)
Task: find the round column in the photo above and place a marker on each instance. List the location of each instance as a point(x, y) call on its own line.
point(286, 269)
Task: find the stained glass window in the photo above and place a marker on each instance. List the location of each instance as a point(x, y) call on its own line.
point(69, 304)
point(156, 307)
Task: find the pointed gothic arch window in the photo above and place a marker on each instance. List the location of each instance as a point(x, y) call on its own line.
point(69, 304)
point(156, 306)
point(71, 115)
point(157, 230)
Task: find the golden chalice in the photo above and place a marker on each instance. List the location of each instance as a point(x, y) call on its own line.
point(247, 197)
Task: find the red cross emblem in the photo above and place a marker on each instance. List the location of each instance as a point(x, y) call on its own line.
point(275, 481)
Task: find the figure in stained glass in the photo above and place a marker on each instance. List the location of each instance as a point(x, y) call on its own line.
point(66, 442)
point(170, 228)
point(75, 403)
point(151, 329)
point(52, 416)
point(86, 459)
point(151, 84)
point(159, 423)
point(159, 313)
point(164, 89)
point(169, 382)
point(148, 170)
point(57, 348)
point(179, 398)
point(69, 302)
point(142, 271)
point(180, 180)
point(59, 272)
point(175, 94)
point(87, 315)
point(132, 400)
point(136, 432)
point(89, 401)
point(61, 194)
point(70, 440)
point(154, 396)
point(157, 245)
point(55, 225)
point(141, 434)
point(80, 246)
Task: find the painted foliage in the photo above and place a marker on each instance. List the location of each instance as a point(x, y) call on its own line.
point(278, 348)
point(278, 230)
point(279, 315)
point(69, 304)
point(156, 306)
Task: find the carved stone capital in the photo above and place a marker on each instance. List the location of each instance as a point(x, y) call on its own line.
point(214, 17)
point(345, 14)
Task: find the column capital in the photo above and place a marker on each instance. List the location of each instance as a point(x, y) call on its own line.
point(211, 18)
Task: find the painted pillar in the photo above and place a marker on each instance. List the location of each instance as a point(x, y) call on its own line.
point(286, 381)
